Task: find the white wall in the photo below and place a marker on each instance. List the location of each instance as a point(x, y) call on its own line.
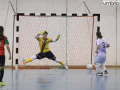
point(107, 21)
point(118, 36)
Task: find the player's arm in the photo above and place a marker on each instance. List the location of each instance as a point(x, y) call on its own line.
point(97, 47)
point(58, 37)
point(41, 33)
point(37, 36)
point(108, 45)
point(54, 40)
point(8, 48)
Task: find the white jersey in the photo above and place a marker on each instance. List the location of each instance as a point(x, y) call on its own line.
point(102, 45)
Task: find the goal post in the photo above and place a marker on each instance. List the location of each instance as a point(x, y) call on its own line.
point(75, 47)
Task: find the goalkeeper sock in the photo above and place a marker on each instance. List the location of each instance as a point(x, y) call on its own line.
point(58, 61)
point(62, 63)
point(31, 59)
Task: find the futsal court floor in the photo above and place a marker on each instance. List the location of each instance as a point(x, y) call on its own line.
point(60, 79)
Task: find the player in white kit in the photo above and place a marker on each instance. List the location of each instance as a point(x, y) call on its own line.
point(100, 58)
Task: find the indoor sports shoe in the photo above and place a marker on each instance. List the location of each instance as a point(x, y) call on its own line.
point(65, 67)
point(105, 72)
point(24, 61)
point(1, 83)
point(99, 74)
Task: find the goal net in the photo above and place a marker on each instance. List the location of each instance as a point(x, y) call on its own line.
point(75, 46)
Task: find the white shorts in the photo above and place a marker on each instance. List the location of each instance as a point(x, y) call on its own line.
point(100, 58)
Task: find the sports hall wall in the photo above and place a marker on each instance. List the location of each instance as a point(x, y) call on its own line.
point(107, 20)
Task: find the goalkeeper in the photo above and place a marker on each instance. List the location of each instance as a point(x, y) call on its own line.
point(44, 49)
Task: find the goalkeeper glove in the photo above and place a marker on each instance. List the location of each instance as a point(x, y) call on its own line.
point(42, 32)
point(58, 37)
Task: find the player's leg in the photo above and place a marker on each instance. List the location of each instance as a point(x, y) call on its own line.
point(104, 68)
point(96, 62)
point(99, 73)
point(38, 56)
point(103, 65)
point(30, 59)
point(60, 62)
point(50, 55)
point(2, 63)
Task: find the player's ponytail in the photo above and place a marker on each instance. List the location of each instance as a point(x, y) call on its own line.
point(1, 33)
point(99, 35)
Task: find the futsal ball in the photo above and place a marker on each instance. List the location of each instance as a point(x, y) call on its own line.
point(89, 66)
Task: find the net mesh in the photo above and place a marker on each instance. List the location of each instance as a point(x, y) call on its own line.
point(74, 46)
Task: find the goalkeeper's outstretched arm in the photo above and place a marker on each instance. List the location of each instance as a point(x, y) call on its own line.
point(54, 40)
point(58, 37)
